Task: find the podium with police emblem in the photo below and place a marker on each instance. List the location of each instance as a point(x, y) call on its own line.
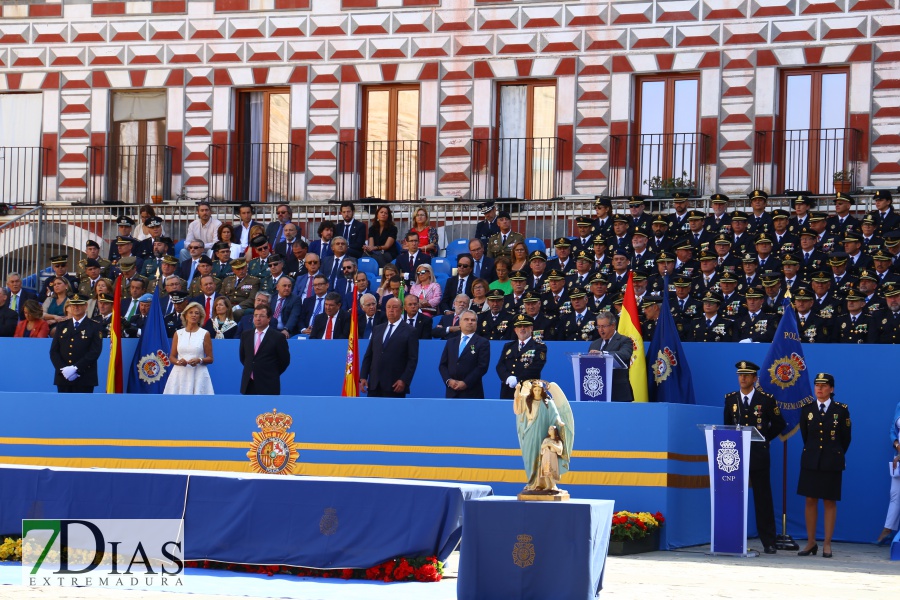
point(538, 550)
point(728, 453)
point(594, 375)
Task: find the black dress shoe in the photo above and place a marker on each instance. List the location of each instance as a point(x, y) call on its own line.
point(770, 550)
point(812, 551)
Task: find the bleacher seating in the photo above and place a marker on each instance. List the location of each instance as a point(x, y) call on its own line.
point(455, 248)
point(368, 265)
point(441, 264)
point(535, 244)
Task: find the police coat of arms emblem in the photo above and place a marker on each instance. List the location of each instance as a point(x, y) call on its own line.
point(662, 368)
point(728, 458)
point(785, 371)
point(273, 449)
point(592, 384)
point(523, 551)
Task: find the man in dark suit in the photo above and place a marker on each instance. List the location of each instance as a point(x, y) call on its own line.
point(754, 407)
point(461, 283)
point(390, 360)
point(286, 308)
point(408, 261)
point(370, 316)
point(522, 358)
point(8, 317)
point(886, 219)
point(17, 296)
point(314, 304)
point(74, 351)
point(275, 230)
point(449, 324)
point(483, 266)
point(419, 322)
point(332, 323)
point(615, 343)
point(465, 360)
point(352, 230)
point(264, 354)
point(303, 288)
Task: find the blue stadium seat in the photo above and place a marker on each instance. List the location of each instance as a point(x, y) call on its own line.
point(376, 283)
point(441, 278)
point(455, 248)
point(368, 265)
point(442, 265)
point(180, 246)
point(535, 244)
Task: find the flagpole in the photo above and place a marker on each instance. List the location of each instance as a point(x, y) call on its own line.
point(784, 541)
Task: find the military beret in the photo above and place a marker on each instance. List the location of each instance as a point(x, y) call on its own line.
point(169, 260)
point(149, 298)
point(91, 244)
point(503, 214)
point(92, 262)
point(259, 241)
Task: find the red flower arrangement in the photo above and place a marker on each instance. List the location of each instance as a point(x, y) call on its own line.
point(422, 568)
point(634, 526)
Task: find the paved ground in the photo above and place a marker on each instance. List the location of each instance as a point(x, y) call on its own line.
point(856, 571)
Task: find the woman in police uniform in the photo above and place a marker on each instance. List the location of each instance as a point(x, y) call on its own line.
point(825, 427)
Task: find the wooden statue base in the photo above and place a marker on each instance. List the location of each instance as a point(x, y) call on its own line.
point(543, 495)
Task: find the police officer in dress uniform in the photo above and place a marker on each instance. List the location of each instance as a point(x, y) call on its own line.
point(544, 328)
point(495, 323)
point(75, 349)
point(522, 358)
point(650, 308)
point(755, 408)
point(889, 331)
point(709, 326)
point(813, 328)
point(825, 427)
point(579, 324)
point(854, 326)
point(487, 226)
point(752, 323)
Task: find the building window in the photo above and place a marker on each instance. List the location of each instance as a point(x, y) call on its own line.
point(255, 166)
point(390, 148)
point(667, 143)
point(22, 160)
point(522, 158)
point(137, 162)
point(813, 142)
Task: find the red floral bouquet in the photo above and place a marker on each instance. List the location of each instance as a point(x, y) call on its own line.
point(634, 526)
point(422, 568)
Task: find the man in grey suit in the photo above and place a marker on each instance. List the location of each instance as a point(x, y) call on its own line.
point(615, 343)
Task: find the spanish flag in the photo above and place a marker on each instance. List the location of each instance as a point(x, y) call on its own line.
point(630, 326)
point(351, 372)
point(114, 373)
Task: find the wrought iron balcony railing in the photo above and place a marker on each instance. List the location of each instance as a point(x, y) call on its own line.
point(22, 174)
point(821, 161)
point(252, 172)
point(129, 174)
point(658, 164)
point(525, 168)
point(387, 169)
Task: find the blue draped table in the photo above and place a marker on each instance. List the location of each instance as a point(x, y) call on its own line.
point(538, 550)
point(323, 523)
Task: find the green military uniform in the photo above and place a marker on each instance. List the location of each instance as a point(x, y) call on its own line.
point(195, 286)
point(258, 268)
point(221, 270)
point(105, 269)
point(500, 245)
point(241, 292)
point(152, 268)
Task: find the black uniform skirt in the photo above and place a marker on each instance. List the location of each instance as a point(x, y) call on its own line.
point(820, 484)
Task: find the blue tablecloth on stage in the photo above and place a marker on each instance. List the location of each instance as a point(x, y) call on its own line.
point(540, 550)
point(255, 519)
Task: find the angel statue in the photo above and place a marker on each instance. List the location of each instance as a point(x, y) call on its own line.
point(546, 429)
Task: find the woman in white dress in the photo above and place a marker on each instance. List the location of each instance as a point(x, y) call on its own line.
point(191, 352)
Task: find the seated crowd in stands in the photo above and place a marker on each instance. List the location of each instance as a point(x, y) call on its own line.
point(728, 274)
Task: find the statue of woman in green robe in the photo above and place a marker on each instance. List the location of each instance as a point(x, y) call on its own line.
point(538, 405)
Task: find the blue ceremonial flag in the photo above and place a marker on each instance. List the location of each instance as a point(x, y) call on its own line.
point(150, 366)
point(669, 375)
point(784, 373)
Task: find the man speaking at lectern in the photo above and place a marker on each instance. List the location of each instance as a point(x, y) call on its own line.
point(614, 342)
point(752, 406)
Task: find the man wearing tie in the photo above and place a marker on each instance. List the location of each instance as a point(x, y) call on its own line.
point(332, 323)
point(76, 346)
point(275, 230)
point(391, 357)
point(314, 305)
point(755, 408)
point(461, 283)
point(370, 316)
point(885, 217)
point(482, 266)
point(613, 342)
point(207, 298)
point(465, 360)
point(449, 325)
point(352, 230)
point(409, 261)
point(304, 286)
point(420, 323)
point(264, 354)
point(286, 308)
point(189, 267)
point(136, 289)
